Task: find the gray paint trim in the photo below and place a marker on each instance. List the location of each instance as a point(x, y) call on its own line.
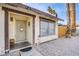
point(6, 31)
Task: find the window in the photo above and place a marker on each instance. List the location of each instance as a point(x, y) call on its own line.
point(43, 29)
point(51, 28)
point(47, 27)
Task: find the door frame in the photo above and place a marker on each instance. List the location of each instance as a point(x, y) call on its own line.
point(6, 25)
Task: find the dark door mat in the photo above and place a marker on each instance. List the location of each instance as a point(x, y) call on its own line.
point(26, 49)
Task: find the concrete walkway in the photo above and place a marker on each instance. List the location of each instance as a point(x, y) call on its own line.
point(32, 52)
point(60, 47)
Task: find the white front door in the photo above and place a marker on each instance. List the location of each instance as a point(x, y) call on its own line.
point(20, 30)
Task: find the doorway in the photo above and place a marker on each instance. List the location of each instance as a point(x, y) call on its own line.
point(20, 31)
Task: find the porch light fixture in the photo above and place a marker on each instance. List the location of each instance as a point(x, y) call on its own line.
point(28, 23)
point(11, 19)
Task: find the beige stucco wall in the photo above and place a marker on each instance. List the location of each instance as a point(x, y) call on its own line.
point(2, 42)
point(37, 29)
point(30, 30)
point(77, 27)
point(77, 30)
point(12, 30)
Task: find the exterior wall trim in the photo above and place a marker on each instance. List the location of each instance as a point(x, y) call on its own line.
point(16, 11)
point(33, 30)
point(6, 31)
point(47, 19)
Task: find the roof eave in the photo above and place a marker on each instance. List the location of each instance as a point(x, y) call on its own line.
point(35, 10)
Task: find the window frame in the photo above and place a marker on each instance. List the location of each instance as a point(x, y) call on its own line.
point(48, 21)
